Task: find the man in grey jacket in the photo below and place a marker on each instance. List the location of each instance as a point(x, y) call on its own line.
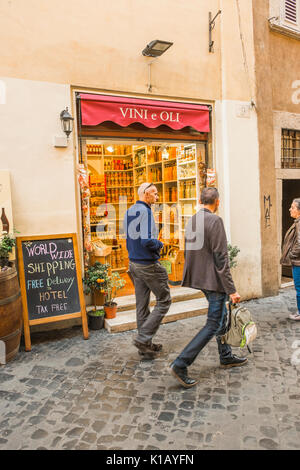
point(207, 268)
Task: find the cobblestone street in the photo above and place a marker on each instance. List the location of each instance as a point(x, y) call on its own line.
point(68, 393)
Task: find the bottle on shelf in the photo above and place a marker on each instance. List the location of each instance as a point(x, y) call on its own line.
point(193, 190)
point(174, 194)
point(181, 191)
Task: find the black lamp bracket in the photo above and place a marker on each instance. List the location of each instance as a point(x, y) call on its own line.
point(211, 25)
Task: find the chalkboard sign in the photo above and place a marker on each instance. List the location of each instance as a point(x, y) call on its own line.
point(50, 281)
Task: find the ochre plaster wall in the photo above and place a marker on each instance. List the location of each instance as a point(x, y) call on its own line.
point(277, 59)
point(285, 64)
point(98, 44)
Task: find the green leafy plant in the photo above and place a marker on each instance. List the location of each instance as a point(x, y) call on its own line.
point(113, 284)
point(96, 278)
point(96, 313)
point(233, 251)
point(7, 242)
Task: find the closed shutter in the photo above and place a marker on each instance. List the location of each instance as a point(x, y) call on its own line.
point(290, 11)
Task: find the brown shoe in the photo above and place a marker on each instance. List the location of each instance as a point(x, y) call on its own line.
point(144, 348)
point(156, 347)
point(147, 356)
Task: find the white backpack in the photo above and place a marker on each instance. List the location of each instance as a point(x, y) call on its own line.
point(241, 330)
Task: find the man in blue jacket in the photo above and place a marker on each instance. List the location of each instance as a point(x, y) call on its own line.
point(147, 273)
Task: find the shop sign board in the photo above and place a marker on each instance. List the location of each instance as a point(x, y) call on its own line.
point(50, 281)
point(96, 109)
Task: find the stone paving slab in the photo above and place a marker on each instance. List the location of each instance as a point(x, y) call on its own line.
point(71, 393)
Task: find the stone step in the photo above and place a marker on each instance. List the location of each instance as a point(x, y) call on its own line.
point(178, 294)
point(126, 320)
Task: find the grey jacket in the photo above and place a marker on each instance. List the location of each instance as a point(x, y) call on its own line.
point(291, 245)
point(207, 266)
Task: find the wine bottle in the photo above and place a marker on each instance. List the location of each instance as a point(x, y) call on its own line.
point(4, 220)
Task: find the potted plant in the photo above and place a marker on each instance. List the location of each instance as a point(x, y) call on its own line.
point(7, 243)
point(113, 284)
point(233, 251)
point(96, 319)
point(95, 280)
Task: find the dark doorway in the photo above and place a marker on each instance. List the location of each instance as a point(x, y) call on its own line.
point(290, 191)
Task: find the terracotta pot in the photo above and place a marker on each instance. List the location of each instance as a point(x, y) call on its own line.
point(98, 298)
point(110, 310)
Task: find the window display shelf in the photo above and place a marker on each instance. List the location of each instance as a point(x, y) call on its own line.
point(187, 178)
point(176, 178)
point(117, 156)
point(154, 164)
point(124, 203)
point(188, 199)
point(119, 187)
point(187, 162)
point(117, 171)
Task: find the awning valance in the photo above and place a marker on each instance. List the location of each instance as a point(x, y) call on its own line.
point(96, 109)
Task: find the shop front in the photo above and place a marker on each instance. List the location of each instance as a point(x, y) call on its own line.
point(124, 142)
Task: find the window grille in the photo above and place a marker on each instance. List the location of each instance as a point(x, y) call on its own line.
point(290, 148)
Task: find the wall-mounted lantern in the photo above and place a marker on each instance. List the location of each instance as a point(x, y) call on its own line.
point(66, 122)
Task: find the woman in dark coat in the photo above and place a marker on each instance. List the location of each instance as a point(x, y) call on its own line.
point(291, 252)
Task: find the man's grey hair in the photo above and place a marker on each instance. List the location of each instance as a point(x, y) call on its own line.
point(297, 202)
point(141, 190)
point(209, 196)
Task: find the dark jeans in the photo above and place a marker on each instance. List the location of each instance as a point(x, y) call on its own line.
point(296, 276)
point(215, 326)
point(147, 279)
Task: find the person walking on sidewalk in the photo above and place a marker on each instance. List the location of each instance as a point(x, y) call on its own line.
point(291, 252)
point(207, 268)
point(147, 274)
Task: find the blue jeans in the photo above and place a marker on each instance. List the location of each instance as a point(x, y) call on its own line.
point(215, 326)
point(296, 276)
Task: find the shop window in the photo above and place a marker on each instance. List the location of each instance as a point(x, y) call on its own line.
point(290, 148)
point(116, 169)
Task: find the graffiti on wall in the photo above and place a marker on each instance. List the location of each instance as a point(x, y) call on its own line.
point(267, 210)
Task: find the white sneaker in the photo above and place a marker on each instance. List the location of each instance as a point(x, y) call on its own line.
point(294, 316)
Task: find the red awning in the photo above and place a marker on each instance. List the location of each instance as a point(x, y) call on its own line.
point(96, 109)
